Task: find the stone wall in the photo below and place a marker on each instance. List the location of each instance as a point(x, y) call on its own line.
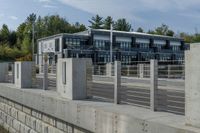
point(19, 119)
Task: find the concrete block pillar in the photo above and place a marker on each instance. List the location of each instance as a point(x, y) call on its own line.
point(141, 70)
point(117, 82)
point(24, 74)
point(89, 73)
point(109, 69)
point(192, 85)
point(72, 78)
point(153, 84)
point(3, 72)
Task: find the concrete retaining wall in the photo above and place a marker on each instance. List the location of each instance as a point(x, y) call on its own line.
point(17, 118)
point(60, 115)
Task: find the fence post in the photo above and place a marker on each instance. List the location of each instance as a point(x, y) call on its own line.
point(169, 71)
point(24, 74)
point(109, 69)
point(117, 82)
point(153, 84)
point(3, 71)
point(45, 71)
point(72, 77)
point(141, 70)
point(13, 72)
point(128, 70)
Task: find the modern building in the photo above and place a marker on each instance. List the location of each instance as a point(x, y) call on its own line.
point(95, 43)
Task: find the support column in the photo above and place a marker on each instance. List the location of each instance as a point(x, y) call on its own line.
point(45, 76)
point(23, 74)
point(41, 62)
point(192, 85)
point(153, 84)
point(109, 69)
point(169, 71)
point(72, 78)
point(3, 71)
point(13, 72)
point(89, 73)
point(141, 70)
point(117, 82)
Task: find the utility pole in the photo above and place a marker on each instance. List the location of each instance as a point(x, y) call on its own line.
point(33, 40)
point(111, 42)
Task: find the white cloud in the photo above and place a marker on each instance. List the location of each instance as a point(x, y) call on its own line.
point(45, 1)
point(130, 8)
point(49, 6)
point(2, 15)
point(13, 17)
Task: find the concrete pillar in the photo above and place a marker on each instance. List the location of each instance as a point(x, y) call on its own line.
point(72, 78)
point(192, 85)
point(109, 69)
point(117, 82)
point(153, 84)
point(3, 72)
point(23, 74)
point(89, 73)
point(141, 70)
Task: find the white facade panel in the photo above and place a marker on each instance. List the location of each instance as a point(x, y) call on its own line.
point(141, 40)
point(101, 37)
point(123, 39)
point(161, 42)
point(49, 46)
point(175, 43)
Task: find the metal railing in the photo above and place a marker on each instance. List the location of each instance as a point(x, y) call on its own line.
point(136, 86)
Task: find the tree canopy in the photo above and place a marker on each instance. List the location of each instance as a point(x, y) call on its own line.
point(17, 44)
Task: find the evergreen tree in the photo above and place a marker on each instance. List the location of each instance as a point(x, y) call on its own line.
point(96, 22)
point(122, 25)
point(107, 22)
point(140, 30)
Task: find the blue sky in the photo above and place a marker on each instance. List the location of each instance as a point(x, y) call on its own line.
point(180, 15)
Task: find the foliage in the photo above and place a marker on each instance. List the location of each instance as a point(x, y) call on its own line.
point(122, 25)
point(96, 22)
point(107, 22)
point(27, 57)
point(140, 30)
point(16, 44)
point(162, 30)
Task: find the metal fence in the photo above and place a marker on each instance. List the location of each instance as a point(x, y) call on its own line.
point(136, 86)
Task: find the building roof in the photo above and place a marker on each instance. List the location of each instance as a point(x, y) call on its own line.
point(88, 33)
point(62, 35)
point(125, 33)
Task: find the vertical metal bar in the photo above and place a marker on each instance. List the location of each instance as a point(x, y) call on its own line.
point(13, 72)
point(111, 42)
point(45, 78)
point(154, 84)
point(117, 82)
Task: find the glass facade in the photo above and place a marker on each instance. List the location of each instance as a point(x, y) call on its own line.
point(72, 42)
point(124, 45)
point(143, 45)
point(127, 49)
point(101, 44)
point(176, 48)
